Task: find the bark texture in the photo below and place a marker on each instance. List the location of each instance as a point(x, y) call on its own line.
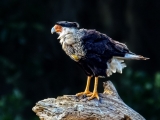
point(69, 107)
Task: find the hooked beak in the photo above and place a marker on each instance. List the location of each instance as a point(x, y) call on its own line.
point(53, 30)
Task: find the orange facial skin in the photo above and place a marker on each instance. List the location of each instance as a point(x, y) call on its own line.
point(58, 28)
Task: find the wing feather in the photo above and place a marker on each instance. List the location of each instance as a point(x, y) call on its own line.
point(100, 44)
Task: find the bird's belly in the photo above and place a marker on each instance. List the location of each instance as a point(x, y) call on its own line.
point(94, 65)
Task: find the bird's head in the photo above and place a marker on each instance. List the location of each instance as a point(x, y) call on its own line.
point(63, 27)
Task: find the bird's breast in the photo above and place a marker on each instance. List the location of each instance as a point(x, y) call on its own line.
point(73, 48)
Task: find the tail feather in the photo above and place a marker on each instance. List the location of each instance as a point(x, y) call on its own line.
point(115, 65)
point(132, 57)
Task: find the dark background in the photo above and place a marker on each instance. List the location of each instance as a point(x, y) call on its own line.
point(34, 67)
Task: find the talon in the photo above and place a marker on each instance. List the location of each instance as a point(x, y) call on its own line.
point(90, 94)
point(94, 95)
point(83, 93)
point(79, 94)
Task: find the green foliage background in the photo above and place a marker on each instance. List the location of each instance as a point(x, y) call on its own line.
point(33, 66)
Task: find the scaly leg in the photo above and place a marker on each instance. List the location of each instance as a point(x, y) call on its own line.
point(86, 92)
point(95, 93)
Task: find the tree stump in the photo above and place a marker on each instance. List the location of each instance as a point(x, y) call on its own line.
point(69, 107)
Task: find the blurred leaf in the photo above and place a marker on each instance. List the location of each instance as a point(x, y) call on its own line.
point(38, 26)
point(157, 79)
point(150, 101)
point(3, 35)
point(148, 86)
point(140, 74)
point(12, 105)
point(128, 72)
point(17, 94)
point(22, 41)
point(20, 25)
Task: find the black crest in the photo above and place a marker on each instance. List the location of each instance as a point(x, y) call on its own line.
point(68, 24)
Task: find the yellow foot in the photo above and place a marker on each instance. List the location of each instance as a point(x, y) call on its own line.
point(93, 95)
point(84, 93)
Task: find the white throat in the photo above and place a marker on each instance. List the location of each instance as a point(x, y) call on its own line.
point(65, 31)
point(67, 36)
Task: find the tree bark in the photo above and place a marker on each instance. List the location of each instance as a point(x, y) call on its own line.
point(69, 107)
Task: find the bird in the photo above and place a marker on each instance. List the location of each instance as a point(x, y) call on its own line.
point(95, 52)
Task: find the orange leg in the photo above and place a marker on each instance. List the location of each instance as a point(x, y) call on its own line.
point(86, 92)
point(95, 93)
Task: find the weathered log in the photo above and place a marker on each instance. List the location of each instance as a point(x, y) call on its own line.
point(69, 107)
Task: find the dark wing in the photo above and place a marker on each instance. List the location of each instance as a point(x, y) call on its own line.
point(97, 43)
point(120, 47)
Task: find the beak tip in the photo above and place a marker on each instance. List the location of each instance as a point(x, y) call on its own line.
point(52, 30)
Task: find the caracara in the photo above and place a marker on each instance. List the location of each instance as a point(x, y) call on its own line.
point(96, 53)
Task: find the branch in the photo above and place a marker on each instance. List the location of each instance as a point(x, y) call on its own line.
point(69, 107)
